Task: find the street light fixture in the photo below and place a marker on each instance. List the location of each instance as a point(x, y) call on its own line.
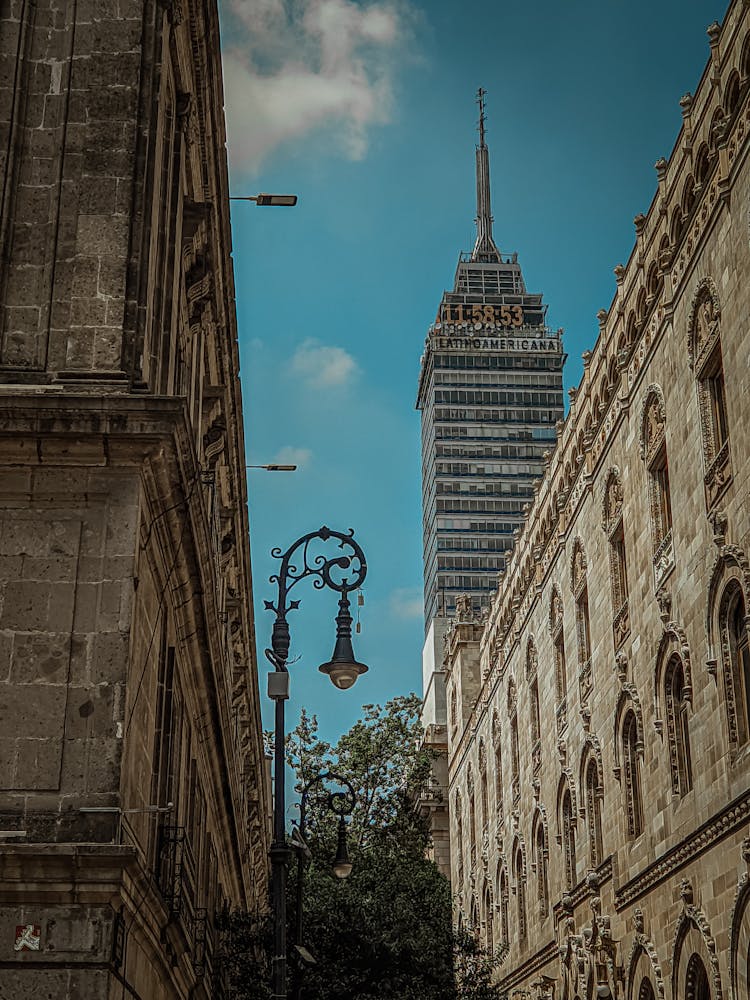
point(297, 563)
point(341, 802)
point(272, 200)
point(274, 468)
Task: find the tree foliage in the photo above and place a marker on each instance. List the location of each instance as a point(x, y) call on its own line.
point(386, 931)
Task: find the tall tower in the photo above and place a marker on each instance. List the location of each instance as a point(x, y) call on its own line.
point(490, 392)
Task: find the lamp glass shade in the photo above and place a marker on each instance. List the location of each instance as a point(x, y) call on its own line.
point(342, 668)
point(342, 866)
point(342, 869)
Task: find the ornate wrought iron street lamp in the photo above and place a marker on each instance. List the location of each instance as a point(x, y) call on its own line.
point(340, 801)
point(297, 563)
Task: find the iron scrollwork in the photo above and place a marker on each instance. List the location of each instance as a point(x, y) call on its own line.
point(321, 569)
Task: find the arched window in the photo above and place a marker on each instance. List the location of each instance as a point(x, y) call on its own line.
point(646, 990)
point(676, 226)
point(688, 196)
point(732, 94)
point(568, 840)
point(535, 722)
point(677, 706)
point(592, 790)
point(536, 727)
point(702, 164)
point(696, 980)
point(520, 880)
point(612, 506)
point(583, 629)
point(632, 774)
point(503, 896)
point(558, 646)
point(453, 714)
point(540, 861)
point(483, 787)
point(736, 659)
point(472, 820)
point(654, 453)
point(458, 807)
point(497, 741)
point(515, 758)
point(704, 353)
point(489, 932)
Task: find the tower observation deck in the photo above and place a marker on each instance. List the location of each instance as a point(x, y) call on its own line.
point(490, 393)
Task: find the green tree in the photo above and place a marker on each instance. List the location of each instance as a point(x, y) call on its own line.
point(386, 931)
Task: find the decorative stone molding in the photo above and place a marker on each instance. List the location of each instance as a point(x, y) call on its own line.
point(643, 945)
point(628, 697)
point(693, 916)
point(673, 860)
point(578, 568)
point(739, 945)
point(652, 422)
point(612, 500)
point(704, 322)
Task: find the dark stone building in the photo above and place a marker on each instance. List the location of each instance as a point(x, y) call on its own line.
point(133, 789)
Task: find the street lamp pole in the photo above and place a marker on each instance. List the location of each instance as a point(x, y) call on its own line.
point(297, 563)
point(341, 803)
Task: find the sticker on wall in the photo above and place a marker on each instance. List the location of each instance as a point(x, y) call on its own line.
point(28, 937)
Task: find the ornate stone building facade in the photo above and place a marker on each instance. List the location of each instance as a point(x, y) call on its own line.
point(599, 717)
point(134, 798)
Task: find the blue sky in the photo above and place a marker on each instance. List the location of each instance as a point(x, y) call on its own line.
point(366, 111)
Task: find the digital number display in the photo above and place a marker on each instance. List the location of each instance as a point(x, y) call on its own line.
point(497, 315)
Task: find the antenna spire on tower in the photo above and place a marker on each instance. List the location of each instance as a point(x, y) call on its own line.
point(484, 248)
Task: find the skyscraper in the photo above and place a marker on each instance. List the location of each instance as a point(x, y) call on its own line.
point(490, 392)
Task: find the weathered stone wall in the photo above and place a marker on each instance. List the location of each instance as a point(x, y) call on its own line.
point(69, 111)
point(660, 867)
point(66, 566)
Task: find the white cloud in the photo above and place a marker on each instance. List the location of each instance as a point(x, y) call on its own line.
point(323, 367)
point(406, 603)
point(289, 455)
point(296, 67)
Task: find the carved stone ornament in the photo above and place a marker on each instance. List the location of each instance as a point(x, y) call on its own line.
point(686, 891)
point(578, 568)
point(652, 423)
point(532, 660)
point(664, 600)
point(703, 326)
point(589, 959)
point(612, 499)
point(464, 609)
point(719, 522)
point(555, 612)
point(621, 665)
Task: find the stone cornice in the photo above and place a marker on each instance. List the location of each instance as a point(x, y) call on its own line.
point(63, 872)
point(549, 953)
point(73, 428)
point(709, 833)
